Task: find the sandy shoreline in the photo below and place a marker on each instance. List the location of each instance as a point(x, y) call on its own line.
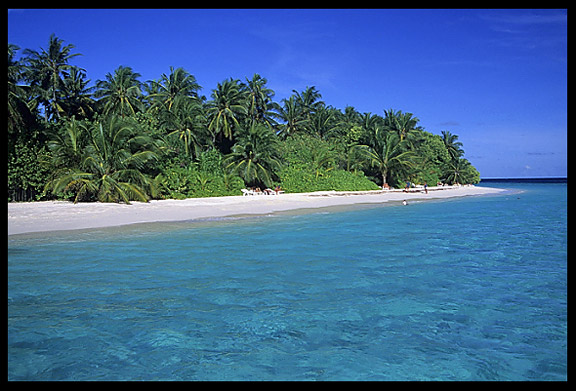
point(45, 216)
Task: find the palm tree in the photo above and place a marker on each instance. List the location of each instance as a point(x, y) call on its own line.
point(346, 126)
point(293, 117)
point(322, 122)
point(309, 101)
point(255, 155)
point(369, 123)
point(178, 84)
point(453, 146)
point(227, 108)
point(349, 119)
point(68, 142)
point(389, 155)
point(45, 71)
point(120, 93)
point(455, 170)
point(185, 120)
point(322, 161)
point(77, 101)
point(401, 123)
point(149, 101)
point(260, 104)
point(20, 116)
point(110, 168)
point(460, 170)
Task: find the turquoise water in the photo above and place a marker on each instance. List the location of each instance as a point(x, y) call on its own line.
point(468, 289)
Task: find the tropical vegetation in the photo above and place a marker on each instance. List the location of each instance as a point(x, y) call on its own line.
point(122, 139)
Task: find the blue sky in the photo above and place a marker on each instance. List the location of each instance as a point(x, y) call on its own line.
point(496, 78)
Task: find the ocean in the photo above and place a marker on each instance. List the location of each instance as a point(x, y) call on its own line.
point(461, 289)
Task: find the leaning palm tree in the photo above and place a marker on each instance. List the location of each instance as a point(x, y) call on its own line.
point(255, 155)
point(120, 93)
point(110, 168)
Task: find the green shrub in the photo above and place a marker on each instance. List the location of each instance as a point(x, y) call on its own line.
point(341, 180)
point(28, 172)
point(297, 180)
point(189, 182)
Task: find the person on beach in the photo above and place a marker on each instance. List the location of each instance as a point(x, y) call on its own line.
point(426, 187)
point(404, 203)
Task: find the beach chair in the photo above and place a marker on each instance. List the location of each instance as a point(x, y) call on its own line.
point(246, 192)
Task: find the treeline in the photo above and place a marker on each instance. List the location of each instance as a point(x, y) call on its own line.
point(123, 139)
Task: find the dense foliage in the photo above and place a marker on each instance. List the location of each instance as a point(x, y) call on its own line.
point(123, 139)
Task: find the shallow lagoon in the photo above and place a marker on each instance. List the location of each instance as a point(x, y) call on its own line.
point(467, 289)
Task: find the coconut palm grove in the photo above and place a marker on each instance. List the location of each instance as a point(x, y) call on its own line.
point(123, 139)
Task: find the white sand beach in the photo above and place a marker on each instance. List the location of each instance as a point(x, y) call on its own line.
point(44, 216)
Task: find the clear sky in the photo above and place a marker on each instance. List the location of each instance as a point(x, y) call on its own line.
point(496, 78)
